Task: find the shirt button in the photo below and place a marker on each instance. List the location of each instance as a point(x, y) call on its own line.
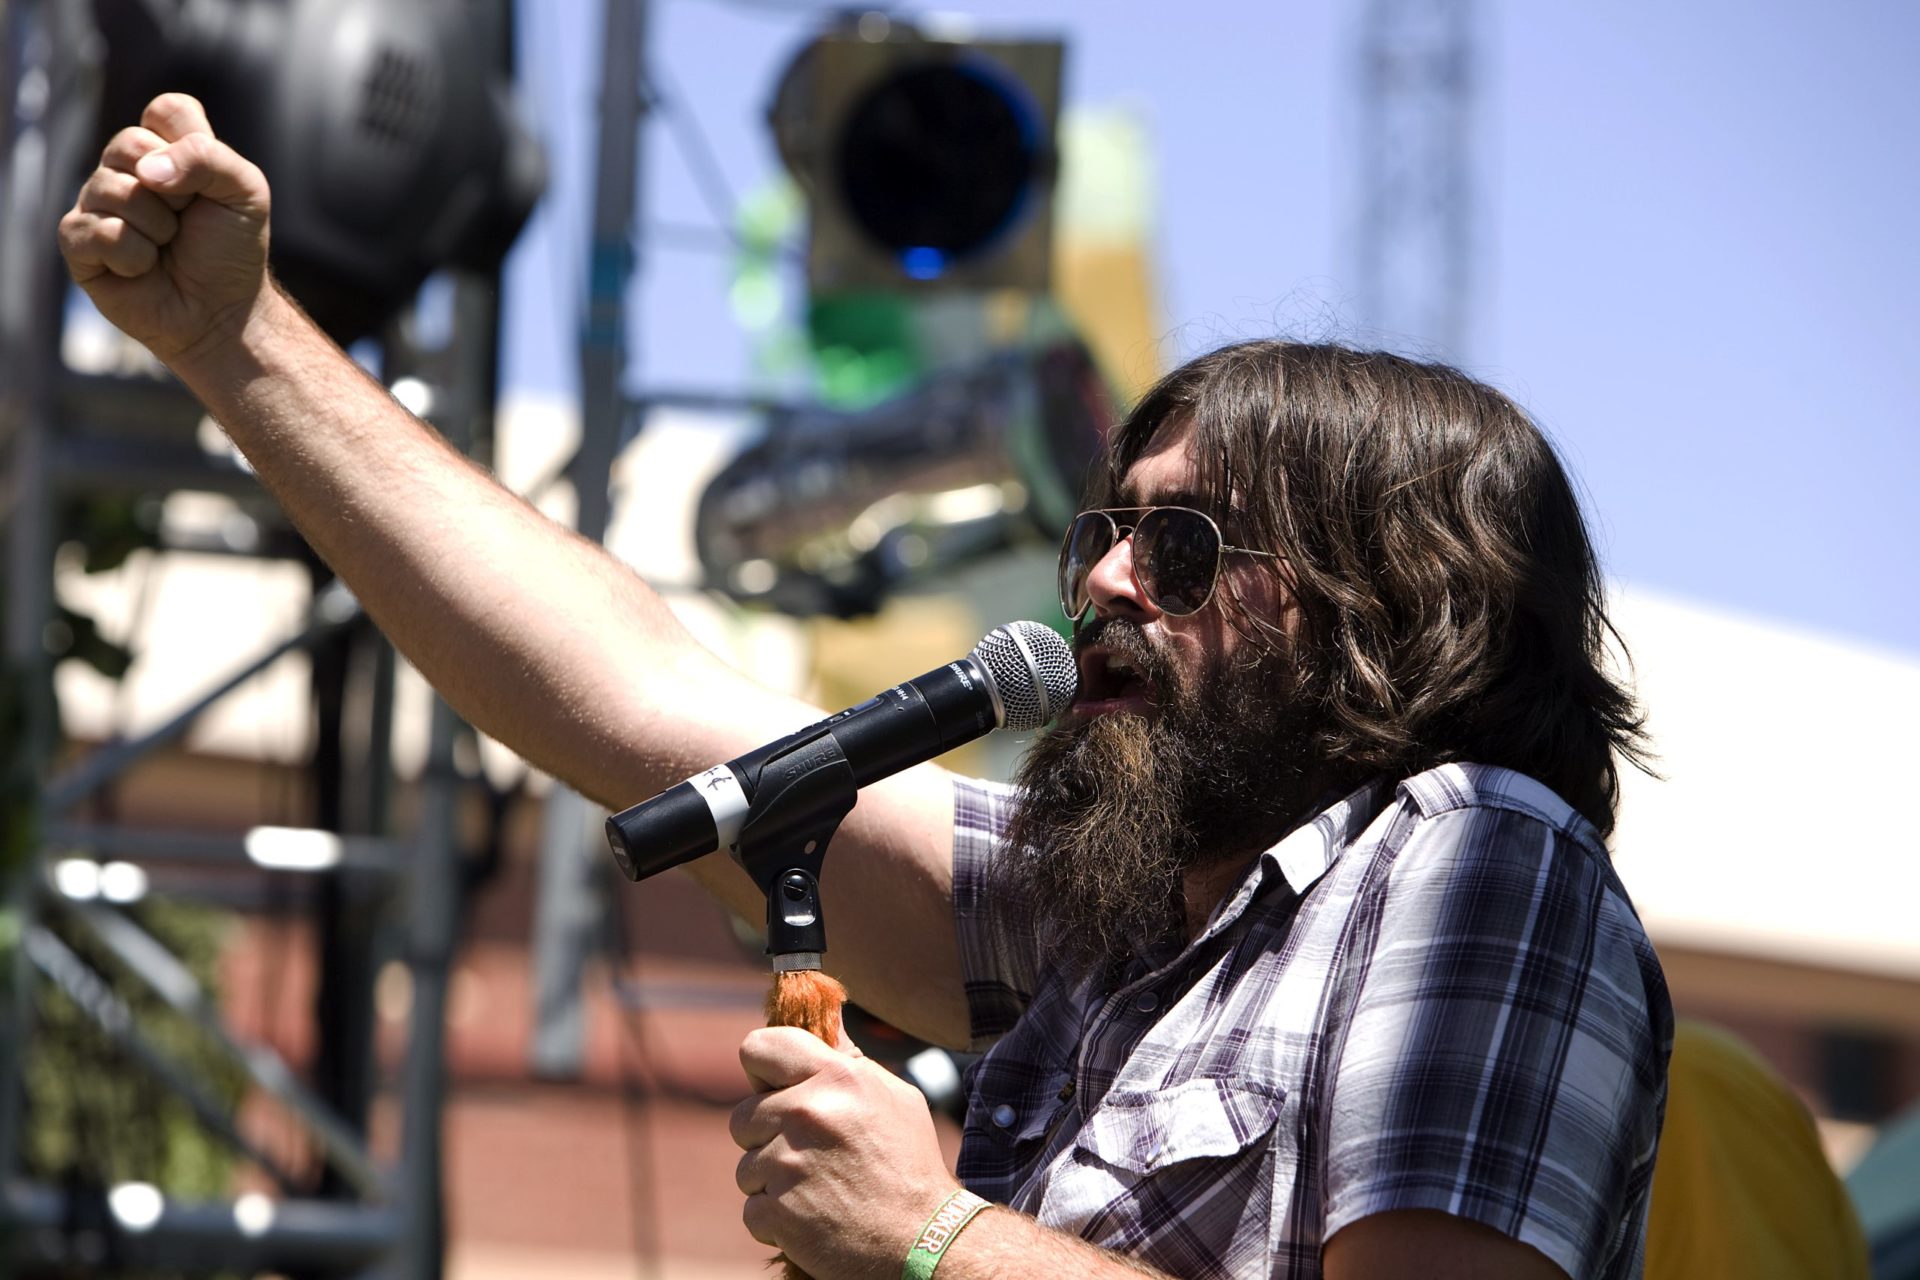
point(1146, 1002)
point(1003, 1116)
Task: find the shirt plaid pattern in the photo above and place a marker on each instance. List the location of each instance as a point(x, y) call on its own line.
point(1434, 995)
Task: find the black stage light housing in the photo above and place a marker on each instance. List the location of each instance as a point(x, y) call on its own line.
point(832, 512)
point(386, 127)
point(927, 163)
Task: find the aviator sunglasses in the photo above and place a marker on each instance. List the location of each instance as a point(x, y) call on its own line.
point(1176, 556)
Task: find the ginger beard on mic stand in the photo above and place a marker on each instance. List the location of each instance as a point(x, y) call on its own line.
point(1113, 811)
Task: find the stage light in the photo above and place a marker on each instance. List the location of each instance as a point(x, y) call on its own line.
point(389, 136)
point(927, 162)
point(831, 511)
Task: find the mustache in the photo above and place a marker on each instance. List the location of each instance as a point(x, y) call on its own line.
point(1126, 637)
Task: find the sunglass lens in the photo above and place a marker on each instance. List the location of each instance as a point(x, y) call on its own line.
point(1176, 554)
point(1088, 539)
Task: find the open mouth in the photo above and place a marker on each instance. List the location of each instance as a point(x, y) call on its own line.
point(1111, 681)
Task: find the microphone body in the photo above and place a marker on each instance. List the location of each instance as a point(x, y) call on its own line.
point(1018, 677)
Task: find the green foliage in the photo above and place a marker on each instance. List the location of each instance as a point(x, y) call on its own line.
point(75, 635)
point(91, 1115)
point(95, 1115)
point(109, 528)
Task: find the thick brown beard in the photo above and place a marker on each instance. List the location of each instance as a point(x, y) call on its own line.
point(1114, 811)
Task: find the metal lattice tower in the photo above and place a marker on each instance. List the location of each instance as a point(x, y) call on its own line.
point(1417, 79)
point(340, 1206)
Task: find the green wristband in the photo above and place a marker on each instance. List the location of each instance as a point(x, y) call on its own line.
point(954, 1213)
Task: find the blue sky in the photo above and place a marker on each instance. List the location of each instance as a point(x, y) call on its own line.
point(1697, 258)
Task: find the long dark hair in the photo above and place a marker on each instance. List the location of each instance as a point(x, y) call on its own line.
point(1453, 609)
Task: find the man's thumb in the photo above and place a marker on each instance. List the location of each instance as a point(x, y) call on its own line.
point(200, 165)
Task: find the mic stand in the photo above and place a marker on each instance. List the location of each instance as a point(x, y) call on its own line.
point(798, 803)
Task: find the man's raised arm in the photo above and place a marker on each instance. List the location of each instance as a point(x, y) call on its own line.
point(535, 635)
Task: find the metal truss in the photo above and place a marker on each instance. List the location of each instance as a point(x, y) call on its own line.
point(63, 433)
point(1417, 79)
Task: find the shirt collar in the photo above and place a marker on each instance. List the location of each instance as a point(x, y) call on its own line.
point(1312, 848)
point(1305, 854)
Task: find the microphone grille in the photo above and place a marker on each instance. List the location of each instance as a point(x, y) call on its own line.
point(1033, 670)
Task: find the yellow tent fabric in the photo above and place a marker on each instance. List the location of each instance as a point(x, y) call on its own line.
point(1741, 1187)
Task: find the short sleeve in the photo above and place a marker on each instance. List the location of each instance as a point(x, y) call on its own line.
point(998, 955)
point(1505, 1059)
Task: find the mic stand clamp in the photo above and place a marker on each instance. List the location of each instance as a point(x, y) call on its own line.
point(798, 803)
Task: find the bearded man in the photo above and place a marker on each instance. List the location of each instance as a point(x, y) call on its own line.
point(1296, 950)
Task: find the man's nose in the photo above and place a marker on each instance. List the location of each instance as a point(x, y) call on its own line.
point(1112, 586)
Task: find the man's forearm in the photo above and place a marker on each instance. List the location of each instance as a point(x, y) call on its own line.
point(505, 612)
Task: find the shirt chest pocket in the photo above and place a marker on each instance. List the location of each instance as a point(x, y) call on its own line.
point(1144, 1132)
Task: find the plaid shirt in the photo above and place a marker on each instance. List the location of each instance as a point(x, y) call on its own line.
point(1432, 996)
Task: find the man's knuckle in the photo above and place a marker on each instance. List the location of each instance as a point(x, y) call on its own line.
point(836, 1072)
point(107, 190)
point(832, 1111)
point(757, 1215)
point(122, 240)
point(132, 256)
point(742, 1174)
point(157, 220)
point(741, 1123)
point(129, 144)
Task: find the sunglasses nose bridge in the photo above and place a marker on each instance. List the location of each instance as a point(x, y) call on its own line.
point(1117, 534)
point(1089, 563)
point(1120, 535)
